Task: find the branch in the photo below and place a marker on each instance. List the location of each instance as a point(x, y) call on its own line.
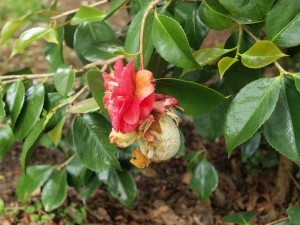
point(75, 10)
point(26, 76)
point(64, 164)
point(278, 221)
point(151, 6)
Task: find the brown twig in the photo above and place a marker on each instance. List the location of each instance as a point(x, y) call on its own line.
point(278, 221)
point(75, 10)
point(143, 24)
point(26, 76)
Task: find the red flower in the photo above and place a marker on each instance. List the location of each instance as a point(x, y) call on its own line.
point(129, 97)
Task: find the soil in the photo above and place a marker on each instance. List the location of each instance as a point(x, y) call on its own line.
point(164, 196)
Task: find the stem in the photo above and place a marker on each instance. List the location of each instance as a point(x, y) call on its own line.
point(26, 76)
point(75, 10)
point(251, 34)
point(143, 24)
point(64, 164)
point(70, 100)
point(278, 221)
point(100, 63)
point(238, 47)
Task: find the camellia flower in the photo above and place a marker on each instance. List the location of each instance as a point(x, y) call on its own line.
point(129, 97)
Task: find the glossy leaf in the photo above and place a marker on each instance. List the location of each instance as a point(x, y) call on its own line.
point(225, 63)
point(28, 37)
point(249, 11)
point(12, 26)
point(64, 79)
point(28, 182)
point(239, 218)
point(238, 76)
point(195, 29)
point(206, 124)
point(205, 56)
point(15, 96)
point(284, 30)
point(282, 130)
point(87, 14)
point(2, 106)
point(132, 41)
point(250, 146)
point(54, 51)
point(90, 135)
point(32, 141)
point(55, 190)
point(56, 133)
point(251, 107)
point(121, 186)
point(261, 54)
point(6, 140)
point(96, 84)
point(297, 81)
point(294, 214)
point(171, 43)
point(85, 106)
point(30, 112)
point(193, 98)
point(89, 36)
point(204, 179)
point(214, 15)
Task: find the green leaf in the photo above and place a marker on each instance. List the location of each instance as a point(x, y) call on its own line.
point(55, 191)
point(56, 133)
point(282, 130)
point(193, 98)
point(30, 112)
point(2, 208)
point(214, 15)
point(12, 26)
point(121, 186)
point(32, 141)
point(85, 106)
point(239, 218)
point(113, 7)
point(64, 79)
point(2, 106)
point(284, 30)
point(89, 36)
point(171, 43)
point(205, 56)
point(237, 76)
point(87, 14)
point(297, 81)
point(261, 54)
point(204, 179)
point(225, 63)
point(251, 107)
point(96, 84)
point(249, 11)
point(206, 124)
point(294, 214)
point(90, 135)
point(28, 37)
point(132, 41)
point(28, 182)
point(195, 29)
point(54, 51)
point(250, 146)
point(6, 140)
point(15, 96)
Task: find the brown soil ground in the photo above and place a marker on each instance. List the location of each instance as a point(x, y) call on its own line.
point(164, 196)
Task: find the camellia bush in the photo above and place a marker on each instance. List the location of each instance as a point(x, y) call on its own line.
point(122, 108)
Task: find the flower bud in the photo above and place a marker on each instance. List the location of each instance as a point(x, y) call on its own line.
point(122, 140)
point(167, 141)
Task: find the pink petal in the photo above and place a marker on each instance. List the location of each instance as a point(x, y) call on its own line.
point(146, 106)
point(133, 113)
